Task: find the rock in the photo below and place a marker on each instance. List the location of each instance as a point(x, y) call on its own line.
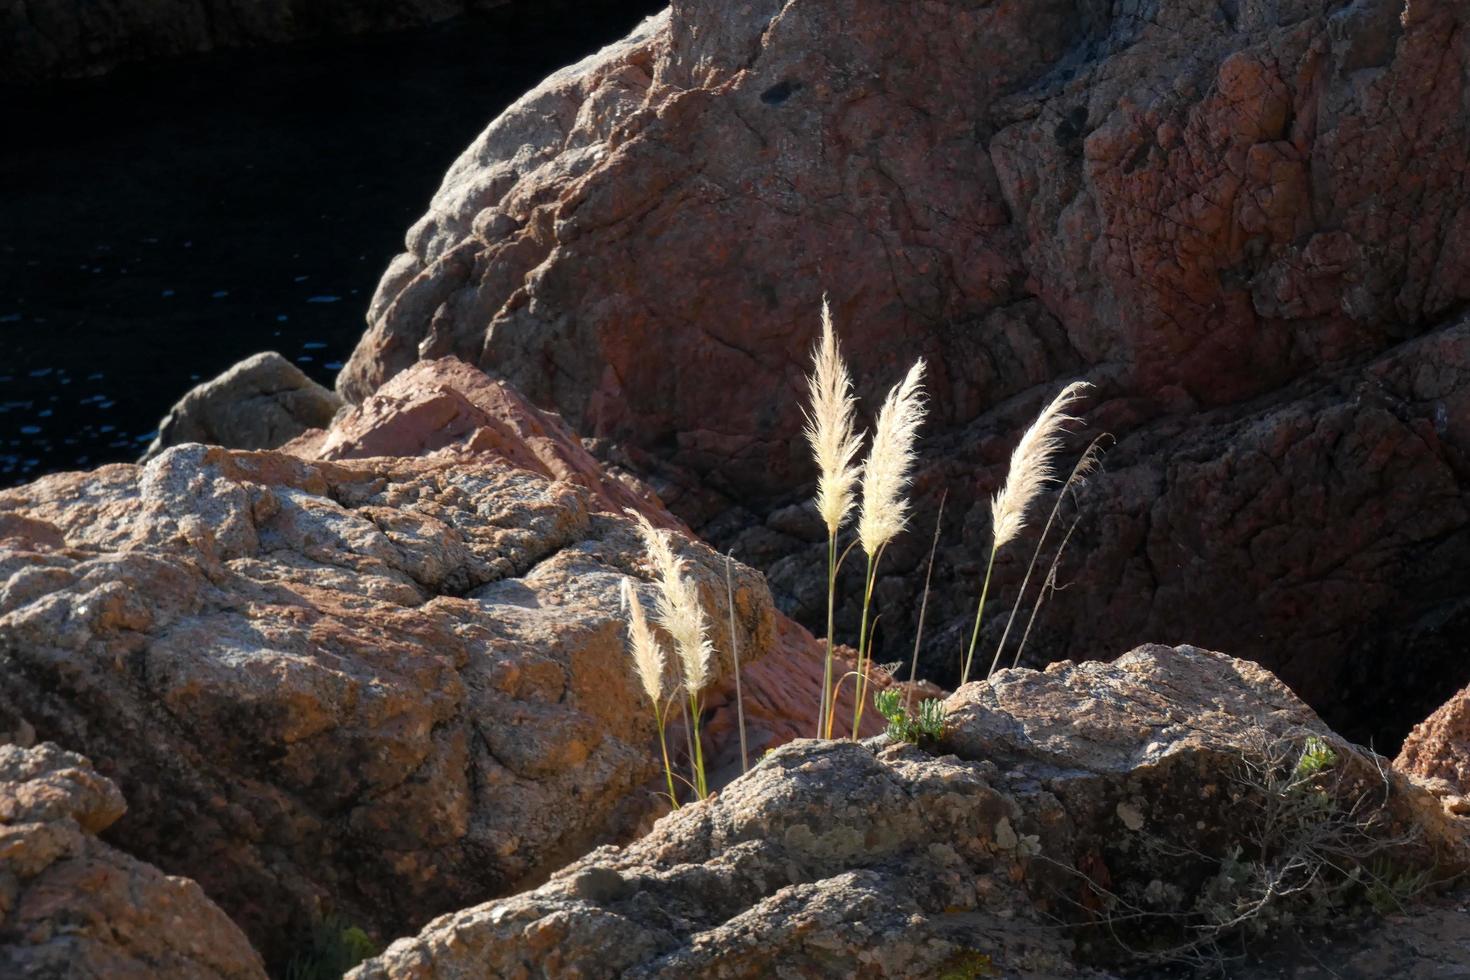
point(376, 688)
point(447, 408)
point(1212, 213)
point(381, 687)
point(260, 403)
point(1055, 803)
point(1439, 746)
point(74, 908)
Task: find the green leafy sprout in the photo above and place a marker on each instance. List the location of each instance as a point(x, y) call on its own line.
point(924, 727)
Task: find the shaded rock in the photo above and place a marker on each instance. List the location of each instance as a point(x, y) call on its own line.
point(74, 908)
point(860, 859)
point(260, 403)
point(1212, 213)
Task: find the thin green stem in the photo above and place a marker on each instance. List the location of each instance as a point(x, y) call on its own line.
point(979, 616)
point(663, 745)
point(1049, 584)
point(822, 708)
point(864, 641)
point(1079, 473)
point(924, 605)
point(735, 654)
point(701, 789)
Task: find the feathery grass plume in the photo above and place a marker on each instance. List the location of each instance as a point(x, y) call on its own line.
point(886, 475)
point(835, 444)
point(1086, 464)
point(830, 427)
point(1030, 472)
point(681, 614)
point(648, 663)
point(890, 460)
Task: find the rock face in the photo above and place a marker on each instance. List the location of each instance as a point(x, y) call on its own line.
point(74, 908)
point(1219, 215)
point(378, 688)
point(1053, 803)
point(260, 403)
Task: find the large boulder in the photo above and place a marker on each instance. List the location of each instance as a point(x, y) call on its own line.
point(1235, 220)
point(1071, 811)
point(372, 688)
point(260, 403)
point(74, 908)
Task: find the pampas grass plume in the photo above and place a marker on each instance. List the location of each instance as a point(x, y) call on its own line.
point(886, 473)
point(829, 427)
point(648, 653)
point(678, 609)
point(1031, 467)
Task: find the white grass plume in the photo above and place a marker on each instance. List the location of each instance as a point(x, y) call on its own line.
point(647, 651)
point(887, 471)
point(1031, 468)
point(829, 427)
point(678, 609)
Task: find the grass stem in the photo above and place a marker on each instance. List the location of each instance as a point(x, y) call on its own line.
point(979, 616)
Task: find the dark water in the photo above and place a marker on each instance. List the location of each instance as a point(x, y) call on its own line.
point(161, 223)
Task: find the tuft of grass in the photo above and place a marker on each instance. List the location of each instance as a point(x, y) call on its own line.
point(335, 946)
point(835, 443)
point(681, 615)
point(651, 665)
point(1317, 844)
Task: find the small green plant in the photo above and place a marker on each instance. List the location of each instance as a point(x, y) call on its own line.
point(335, 946)
point(925, 727)
point(1389, 886)
point(967, 964)
point(1317, 757)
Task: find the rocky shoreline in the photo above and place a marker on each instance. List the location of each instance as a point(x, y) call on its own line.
point(336, 680)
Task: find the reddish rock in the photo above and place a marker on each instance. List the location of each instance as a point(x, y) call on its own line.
point(1218, 215)
point(1439, 747)
point(449, 409)
point(74, 908)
